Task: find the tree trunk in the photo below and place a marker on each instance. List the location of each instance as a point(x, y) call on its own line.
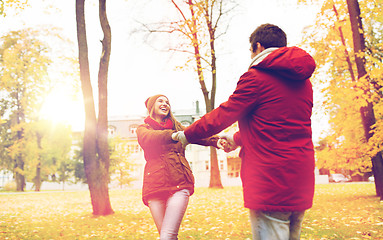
point(19, 161)
point(95, 166)
point(209, 100)
point(19, 176)
point(215, 175)
point(102, 124)
point(346, 53)
point(37, 178)
point(367, 112)
point(197, 54)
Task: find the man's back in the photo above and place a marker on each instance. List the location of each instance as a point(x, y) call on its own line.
point(277, 151)
point(273, 103)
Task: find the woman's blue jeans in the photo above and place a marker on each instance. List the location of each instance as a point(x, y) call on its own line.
point(168, 213)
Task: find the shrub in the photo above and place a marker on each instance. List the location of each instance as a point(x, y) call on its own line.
point(10, 186)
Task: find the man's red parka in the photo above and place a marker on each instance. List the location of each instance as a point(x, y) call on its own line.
point(272, 103)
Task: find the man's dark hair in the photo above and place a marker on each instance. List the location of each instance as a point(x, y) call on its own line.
point(268, 35)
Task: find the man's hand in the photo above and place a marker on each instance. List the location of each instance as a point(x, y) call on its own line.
point(180, 137)
point(221, 143)
point(230, 145)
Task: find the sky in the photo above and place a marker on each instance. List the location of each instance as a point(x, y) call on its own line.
point(139, 67)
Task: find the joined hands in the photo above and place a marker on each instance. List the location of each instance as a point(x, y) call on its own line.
point(225, 142)
point(228, 143)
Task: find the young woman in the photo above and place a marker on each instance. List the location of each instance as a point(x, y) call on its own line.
point(168, 178)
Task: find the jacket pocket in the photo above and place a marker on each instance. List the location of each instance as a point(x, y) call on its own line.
point(154, 176)
point(175, 169)
point(187, 170)
point(189, 175)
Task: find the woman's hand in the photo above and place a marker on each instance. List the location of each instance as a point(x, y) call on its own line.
point(180, 137)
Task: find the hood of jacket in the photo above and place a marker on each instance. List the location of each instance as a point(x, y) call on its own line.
point(289, 62)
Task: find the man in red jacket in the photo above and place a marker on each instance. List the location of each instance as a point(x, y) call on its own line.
point(272, 103)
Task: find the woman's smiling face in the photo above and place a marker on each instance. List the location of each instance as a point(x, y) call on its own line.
point(161, 108)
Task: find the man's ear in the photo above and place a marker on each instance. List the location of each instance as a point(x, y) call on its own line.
point(260, 47)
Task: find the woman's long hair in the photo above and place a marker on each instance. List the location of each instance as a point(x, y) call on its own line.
point(176, 124)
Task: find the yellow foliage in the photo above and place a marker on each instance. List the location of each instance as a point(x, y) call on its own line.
point(12, 6)
point(330, 39)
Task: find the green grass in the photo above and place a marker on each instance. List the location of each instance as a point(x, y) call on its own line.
point(345, 211)
point(340, 211)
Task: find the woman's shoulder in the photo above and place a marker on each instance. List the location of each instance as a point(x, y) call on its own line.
point(144, 125)
point(142, 128)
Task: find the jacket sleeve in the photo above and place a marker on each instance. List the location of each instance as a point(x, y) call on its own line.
point(237, 138)
point(211, 141)
point(239, 104)
point(148, 137)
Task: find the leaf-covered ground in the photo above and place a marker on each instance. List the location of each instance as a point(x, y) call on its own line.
point(340, 211)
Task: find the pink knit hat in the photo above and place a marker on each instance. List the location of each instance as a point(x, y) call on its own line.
point(151, 100)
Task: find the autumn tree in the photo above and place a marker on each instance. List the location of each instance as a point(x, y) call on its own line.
point(95, 151)
point(367, 110)
point(50, 146)
point(352, 96)
point(23, 79)
point(200, 24)
point(15, 5)
point(6, 140)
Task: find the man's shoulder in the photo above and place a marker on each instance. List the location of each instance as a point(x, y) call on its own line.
point(254, 74)
point(250, 73)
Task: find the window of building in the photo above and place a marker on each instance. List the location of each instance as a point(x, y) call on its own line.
point(111, 130)
point(132, 148)
point(233, 167)
point(133, 129)
point(221, 165)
